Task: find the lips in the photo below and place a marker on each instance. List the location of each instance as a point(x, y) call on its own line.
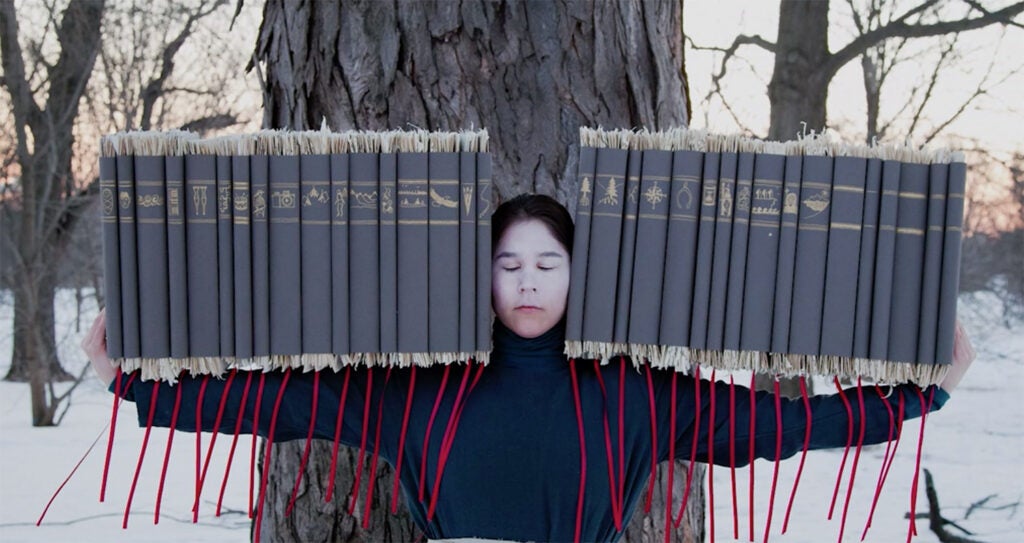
point(527, 308)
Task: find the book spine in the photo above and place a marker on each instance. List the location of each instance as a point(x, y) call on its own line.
point(938, 178)
point(413, 254)
point(259, 172)
point(340, 343)
point(783, 304)
point(606, 233)
point(111, 256)
point(811, 254)
point(681, 247)
point(885, 256)
point(485, 208)
point(627, 255)
point(241, 232)
point(177, 255)
point(705, 250)
point(950, 283)
point(841, 268)
point(762, 253)
point(151, 211)
point(738, 251)
point(201, 240)
point(652, 233)
point(285, 254)
point(315, 186)
point(467, 252)
point(908, 264)
point(722, 250)
point(388, 254)
point(443, 233)
point(129, 257)
point(225, 257)
point(581, 244)
point(866, 265)
point(364, 248)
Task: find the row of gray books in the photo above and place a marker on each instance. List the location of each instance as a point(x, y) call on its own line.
point(310, 248)
point(803, 257)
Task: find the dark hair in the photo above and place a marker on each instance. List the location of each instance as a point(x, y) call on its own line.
point(533, 206)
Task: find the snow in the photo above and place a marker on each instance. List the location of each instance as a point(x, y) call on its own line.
point(973, 448)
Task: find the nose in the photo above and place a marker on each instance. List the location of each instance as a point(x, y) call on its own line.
point(528, 283)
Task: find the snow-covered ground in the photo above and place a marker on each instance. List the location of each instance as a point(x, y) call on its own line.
point(973, 448)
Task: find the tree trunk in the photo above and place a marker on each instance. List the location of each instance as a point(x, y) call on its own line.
point(531, 73)
point(799, 85)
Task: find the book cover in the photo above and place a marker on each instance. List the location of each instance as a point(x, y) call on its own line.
point(177, 253)
point(241, 232)
point(259, 177)
point(443, 234)
point(225, 256)
point(581, 244)
point(908, 263)
point(285, 253)
point(388, 253)
point(129, 257)
point(938, 178)
point(738, 250)
point(885, 256)
point(605, 235)
point(762, 252)
point(413, 255)
point(485, 208)
point(364, 249)
point(627, 254)
point(651, 235)
point(722, 252)
point(705, 250)
point(467, 251)
point(340, 343)
point(783, 304)
point(811, 255)
point(843, 251)
point(866, 264)
point(151, 229)
point(315, 213)
point(201, 243)
point(951, 241)
point(681, 247)
point(111, 255)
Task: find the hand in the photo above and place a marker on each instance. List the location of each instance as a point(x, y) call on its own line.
point(963, 356)
point(95, 346)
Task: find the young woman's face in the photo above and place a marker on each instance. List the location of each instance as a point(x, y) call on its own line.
point(529, 279)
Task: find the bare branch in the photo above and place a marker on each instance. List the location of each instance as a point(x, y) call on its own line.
point(932, 81)
point(25, 109)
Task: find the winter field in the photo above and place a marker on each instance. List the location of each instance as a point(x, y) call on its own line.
point(973, 448)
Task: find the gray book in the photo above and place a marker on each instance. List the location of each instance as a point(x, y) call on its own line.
point(151, 229)
point(839, 311)
point(413, 257)
point(938, 178)
point(762, 253)
point(467, 251)
point(908, 264)
point(485, 208)
point(388, 254)
point(201, 239)
point(787, 254)
point(111, 256)
point(285, 254)
point(722, 250)
point(705, 250)
point(177, 254)
point(738, 251)
point(315, 202)
point(652, 236)
point(885, 255)
point(949, 287)
point(866, 264)
point(581, 244)
point(624, 290)
point(242, 241)
point(811, 255)
point(364, 246)
point(260, 174)
point(129, 257)
point(340, 344)
point(443, 234)
point(681, 247)
point(225, 257)
point(606, 233)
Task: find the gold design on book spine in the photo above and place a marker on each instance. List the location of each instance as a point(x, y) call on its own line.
point(743, 200)
point(242, 201)
point(585, 192)
point(282, 199)
point(412, 198)
point(340, 198)
point(315, 195)
point(259, 204)
point(688, 194)
point(654, 195)
point(611, 193)
point(149, 200)
point(725, 210)
point(437, 200)
point(224, 199)
point(709, 195)
point(467, 199)
point(767, 202)
point(126, 199)
point(173, 203)
point(634, 188)
point(817, 202)
point(108, 201)
point(364, 200)
point(791, 205)
point(387, 202)
point(199, 200)
point(484, 196)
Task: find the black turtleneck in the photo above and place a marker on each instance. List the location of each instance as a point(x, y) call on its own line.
point(514, 467)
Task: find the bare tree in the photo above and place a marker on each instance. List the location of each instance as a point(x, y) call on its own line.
point(532, 73)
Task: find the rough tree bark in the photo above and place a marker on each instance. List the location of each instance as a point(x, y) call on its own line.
point(799, 88)
point(531, 73)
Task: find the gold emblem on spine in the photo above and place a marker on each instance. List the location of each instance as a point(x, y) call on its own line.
point(437, 200)
point(743, 200)
point(467, 198)
point(364, 200)
point(790, 206)
point(767, 202)
point(410, 198)
point(709, 196)
point(611, 193)
point(242, 202)
point(108, 201)
point(686, 193)
point(634, 188)
point(340, 198)
point(224, 199)
point(315, 195)
point(484, 199)
point(173, 203)
point(259, 204)
point(199, 200)
point(387, 202)
point(125, 199)
point(149, 200)
point(282, 199)
point(585, 191)
point(817, 202)
point(654, 195)
point(725, 210)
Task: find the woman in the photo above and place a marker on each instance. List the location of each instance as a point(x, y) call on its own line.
point(512, 472)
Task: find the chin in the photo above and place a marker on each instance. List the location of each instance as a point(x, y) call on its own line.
point(529, 330)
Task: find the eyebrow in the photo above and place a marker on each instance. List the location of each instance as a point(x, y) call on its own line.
point(509, 254)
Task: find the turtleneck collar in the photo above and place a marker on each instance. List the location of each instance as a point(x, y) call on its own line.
point(544, 350)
